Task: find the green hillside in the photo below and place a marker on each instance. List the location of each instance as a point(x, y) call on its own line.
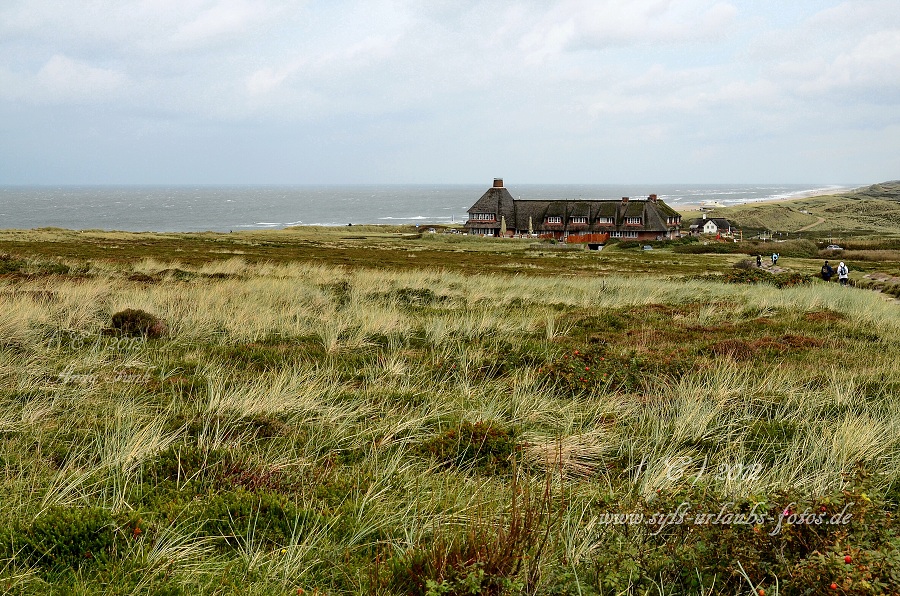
point(864, 212)
point(886, 190)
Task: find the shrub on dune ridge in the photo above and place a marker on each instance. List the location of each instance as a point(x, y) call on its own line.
point(488, 445)
point(10, 264)
point(743, 275)
point(135, 322)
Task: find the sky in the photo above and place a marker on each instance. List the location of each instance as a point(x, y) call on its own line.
point(444, 92)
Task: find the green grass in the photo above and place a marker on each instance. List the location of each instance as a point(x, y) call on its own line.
point(842, 218)
point(464, 420)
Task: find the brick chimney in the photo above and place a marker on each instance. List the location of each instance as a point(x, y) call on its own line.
point(652, 198)
point(498, 182)
point(624, 199)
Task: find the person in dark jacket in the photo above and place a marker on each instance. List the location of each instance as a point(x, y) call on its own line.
point(827, 271)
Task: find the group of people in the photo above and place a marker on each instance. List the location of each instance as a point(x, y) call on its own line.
point(775, 257)
point(843, 273)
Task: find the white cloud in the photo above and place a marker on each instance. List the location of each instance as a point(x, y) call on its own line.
point(543, 74)
point(63, 80)
point(873, 64)
point(587, 24)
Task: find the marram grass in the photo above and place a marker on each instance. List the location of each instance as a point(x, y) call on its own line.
point(330, 430)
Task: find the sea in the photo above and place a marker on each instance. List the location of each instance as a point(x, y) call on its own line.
point(234, 208)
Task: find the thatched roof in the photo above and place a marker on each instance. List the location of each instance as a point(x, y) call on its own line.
point(654, 214)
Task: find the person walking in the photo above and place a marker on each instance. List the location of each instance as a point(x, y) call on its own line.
point(774, 257)
point(843, 274)
point(827, 271)
point(759, 260)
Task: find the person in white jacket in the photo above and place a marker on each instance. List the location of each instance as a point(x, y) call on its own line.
point(843, 274)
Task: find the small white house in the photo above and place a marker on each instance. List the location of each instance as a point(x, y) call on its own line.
point(711, 225)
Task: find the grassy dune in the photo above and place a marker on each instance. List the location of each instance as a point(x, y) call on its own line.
point(872, 211)
point(473, 426)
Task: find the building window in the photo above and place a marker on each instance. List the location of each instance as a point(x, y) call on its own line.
point(554, 219)
point(483, 216)
point(633, 220)
point(631, 234)
point(616, 234)
point(604, 220)
point(578, 220)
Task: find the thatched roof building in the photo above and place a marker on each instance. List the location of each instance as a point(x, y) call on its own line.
point(647, 219)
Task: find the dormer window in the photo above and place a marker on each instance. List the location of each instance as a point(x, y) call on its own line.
point(484, 216)
point(554, 219)
point(605, 220)
point(635, 221)
point(578, 220)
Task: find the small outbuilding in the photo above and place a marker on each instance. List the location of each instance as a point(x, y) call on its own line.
point(711, 225)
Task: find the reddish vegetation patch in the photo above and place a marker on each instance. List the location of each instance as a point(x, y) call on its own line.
point(733, 348)
point(39, 296)
point(660, 308)
point(656, 336)
point(763, 321)
point(801, 341)
point(251, 477)
point(771, 344)
point(142, 278)
point(709, 328)
point(824, 316)
point(787, 342)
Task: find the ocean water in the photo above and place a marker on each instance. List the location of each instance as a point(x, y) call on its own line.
point(200, 208)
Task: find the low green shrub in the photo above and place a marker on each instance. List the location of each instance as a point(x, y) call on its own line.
point(52, 268)
point(177, 274)
point(61, 538)
point(487, 557)
point(790, 279)
point(583, 370)
point(138, 323)
point(486, 445)
point(786, 542)
point(239, 515)
point(10, 264)
point(759, 276)
point(710, 248)
point(417, 296)
point(800, 249)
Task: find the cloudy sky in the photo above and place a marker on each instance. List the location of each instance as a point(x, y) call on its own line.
point(449, 91)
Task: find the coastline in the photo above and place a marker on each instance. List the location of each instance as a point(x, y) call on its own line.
point(805, 194)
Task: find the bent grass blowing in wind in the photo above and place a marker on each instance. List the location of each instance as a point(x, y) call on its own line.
point(306, 427)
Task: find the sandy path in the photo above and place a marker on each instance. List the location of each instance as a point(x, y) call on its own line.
point(812, 225)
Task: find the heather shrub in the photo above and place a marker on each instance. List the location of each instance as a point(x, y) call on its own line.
point(63, 537)
point(10, 264)
point(488, 445)
point(485, 557)
point(135, 322)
